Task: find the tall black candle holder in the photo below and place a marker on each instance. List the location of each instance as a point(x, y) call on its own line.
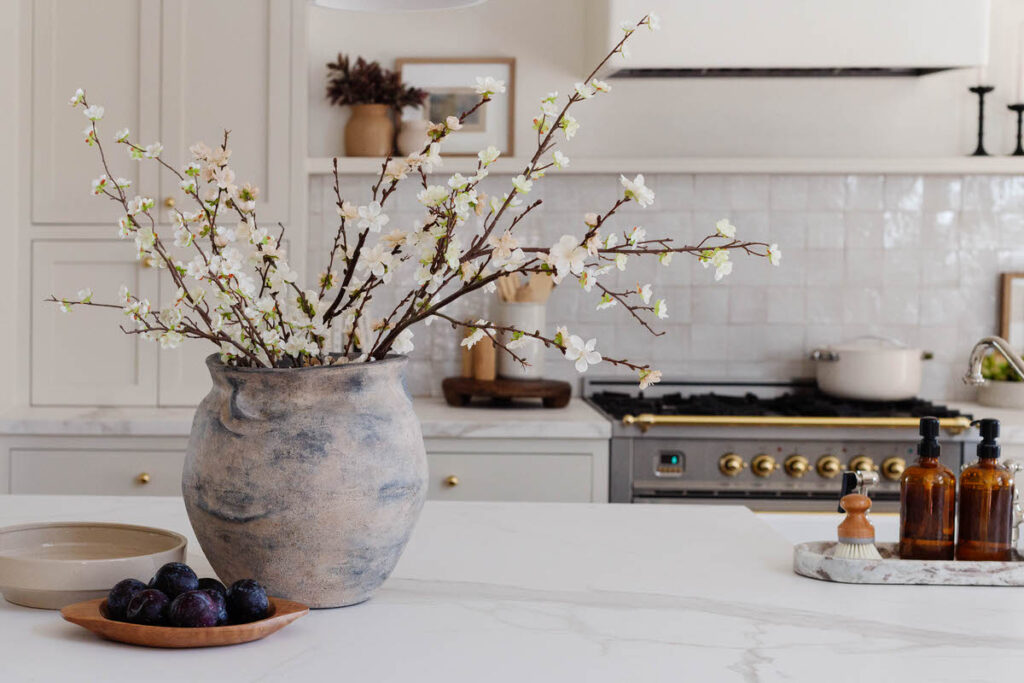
point(981, 91)
point(1019, 110)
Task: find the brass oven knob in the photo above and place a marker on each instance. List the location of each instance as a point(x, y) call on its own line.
point(829, 466)
point(892, 468)
point(451, 480)
point(731, 464)
point(143, 478)
point(796, 465)
point(763, 465)
point(862, 463)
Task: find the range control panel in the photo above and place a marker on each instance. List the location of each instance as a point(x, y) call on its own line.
point(784, 466)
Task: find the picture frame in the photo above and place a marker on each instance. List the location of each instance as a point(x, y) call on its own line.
point(1011, 326)
point(450, 83)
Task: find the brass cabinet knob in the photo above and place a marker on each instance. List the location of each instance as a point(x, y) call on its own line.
point(828, 466)
point(763, 465)
point(730, 464)
point(148, 262)
point(862, 463)
point(796, 465)
point(143, 478)
point(169, 202)
point(892, 468)
point(451, 480)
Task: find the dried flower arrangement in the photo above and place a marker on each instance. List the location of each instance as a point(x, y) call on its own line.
point(239, 292)
point(368, 83)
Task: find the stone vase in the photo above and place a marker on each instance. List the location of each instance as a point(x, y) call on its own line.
point(412, 137)
point(369, 131)
point(309, 480)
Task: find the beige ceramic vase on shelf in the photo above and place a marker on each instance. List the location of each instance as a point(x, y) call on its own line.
point(369, 131)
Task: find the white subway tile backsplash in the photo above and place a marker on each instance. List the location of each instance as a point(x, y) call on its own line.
point(864, 192)
point(904, 193)
point(911, 257)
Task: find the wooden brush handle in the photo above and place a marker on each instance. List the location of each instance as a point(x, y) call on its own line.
point(856, 524)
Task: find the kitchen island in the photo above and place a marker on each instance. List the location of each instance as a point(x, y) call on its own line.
point(560, 592)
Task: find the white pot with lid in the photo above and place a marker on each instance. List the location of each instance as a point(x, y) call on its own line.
point(870, 369)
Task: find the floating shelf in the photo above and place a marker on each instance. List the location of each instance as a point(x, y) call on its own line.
point(817, 166)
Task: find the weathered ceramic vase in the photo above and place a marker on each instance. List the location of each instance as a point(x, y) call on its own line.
point(309, 480)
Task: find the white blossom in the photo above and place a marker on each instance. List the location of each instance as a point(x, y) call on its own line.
point(725, 229)
point(348, 211)
point(77, 98)
point(637, 190)
point(649, 377)
point(566, 256)
point(152, 151)
point(403, 342)
point(489, 155)
point(559, 159)
point(569, 126)
point(653, 23)
point(452, 123)
point(99, 184)
point(122, 135)
point(372, 217)
point(475, 335)
point(522, 184)
point(433, 195)
point(581, 352)
point(661, 309)
point(774, 254)
point(645, 292)
point(93, 112)
point(488, 85)
point(584, 90)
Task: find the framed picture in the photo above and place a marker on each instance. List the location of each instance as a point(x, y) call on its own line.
point(450, 83)
point(1012, 327)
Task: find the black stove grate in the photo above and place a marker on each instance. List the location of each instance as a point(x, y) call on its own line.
point(809, 404)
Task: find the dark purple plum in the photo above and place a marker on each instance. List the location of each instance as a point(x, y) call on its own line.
point(213, 584)
point(221, 602)
point(247, 601)
point(193, 609)
point(119, 597)
point(173, 579)
point(148, 607)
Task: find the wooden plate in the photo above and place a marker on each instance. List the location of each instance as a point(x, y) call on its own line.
point(91, 615)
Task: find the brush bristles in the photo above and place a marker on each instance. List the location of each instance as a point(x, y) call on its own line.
point(858, 551)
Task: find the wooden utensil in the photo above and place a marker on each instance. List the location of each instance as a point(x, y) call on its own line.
point(91, 614)
point(508, 285)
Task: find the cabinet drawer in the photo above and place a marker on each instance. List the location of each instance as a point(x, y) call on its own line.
point(537, 477)
point(106, 472)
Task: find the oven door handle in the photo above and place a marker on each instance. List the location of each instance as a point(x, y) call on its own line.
point(953, 425)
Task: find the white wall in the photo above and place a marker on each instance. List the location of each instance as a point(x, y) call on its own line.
point(909, 117)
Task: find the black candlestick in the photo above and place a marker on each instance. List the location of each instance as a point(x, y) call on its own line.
point(1019, 110)
point(981, 91)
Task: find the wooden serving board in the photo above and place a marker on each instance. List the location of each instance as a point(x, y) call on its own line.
point(459, 391)
point(816, 561)
point(91, 614)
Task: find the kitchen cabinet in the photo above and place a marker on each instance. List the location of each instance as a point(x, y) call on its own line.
point(169, 70)
point(538, 469)
point(82, 357)
point(176, 72)
point(128, 472)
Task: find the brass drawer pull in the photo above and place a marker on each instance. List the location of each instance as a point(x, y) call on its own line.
point(451, 480)
point(143, 478)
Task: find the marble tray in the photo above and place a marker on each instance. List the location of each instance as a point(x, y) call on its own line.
point(815, 560)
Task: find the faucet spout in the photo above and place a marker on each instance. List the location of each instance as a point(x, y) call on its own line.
point(979, 352)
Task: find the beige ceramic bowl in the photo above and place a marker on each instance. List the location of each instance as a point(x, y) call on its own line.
point(54, 565)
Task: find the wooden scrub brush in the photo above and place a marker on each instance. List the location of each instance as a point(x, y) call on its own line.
point(856, 532)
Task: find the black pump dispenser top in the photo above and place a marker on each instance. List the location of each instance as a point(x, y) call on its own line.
point(989, 428)
point(929, 446)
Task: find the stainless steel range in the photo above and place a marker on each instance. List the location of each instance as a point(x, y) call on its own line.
point(767, 445)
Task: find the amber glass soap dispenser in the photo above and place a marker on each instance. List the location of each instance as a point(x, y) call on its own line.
point(986, 502)
point(927, 501)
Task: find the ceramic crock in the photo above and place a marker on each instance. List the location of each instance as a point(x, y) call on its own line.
point(369, 131)
point(309, 480)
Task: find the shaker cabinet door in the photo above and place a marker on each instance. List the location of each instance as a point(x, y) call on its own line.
point(226, 65)
point(110, 48)
point(83, 357)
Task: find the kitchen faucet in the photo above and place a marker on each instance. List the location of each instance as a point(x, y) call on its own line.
point(978, 353)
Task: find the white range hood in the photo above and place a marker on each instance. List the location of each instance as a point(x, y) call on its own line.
point(793, 37)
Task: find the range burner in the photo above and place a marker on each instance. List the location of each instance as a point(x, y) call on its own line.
point(799, 404)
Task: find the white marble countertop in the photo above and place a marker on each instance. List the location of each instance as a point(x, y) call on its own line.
point(544, 592)
point(439, 420)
